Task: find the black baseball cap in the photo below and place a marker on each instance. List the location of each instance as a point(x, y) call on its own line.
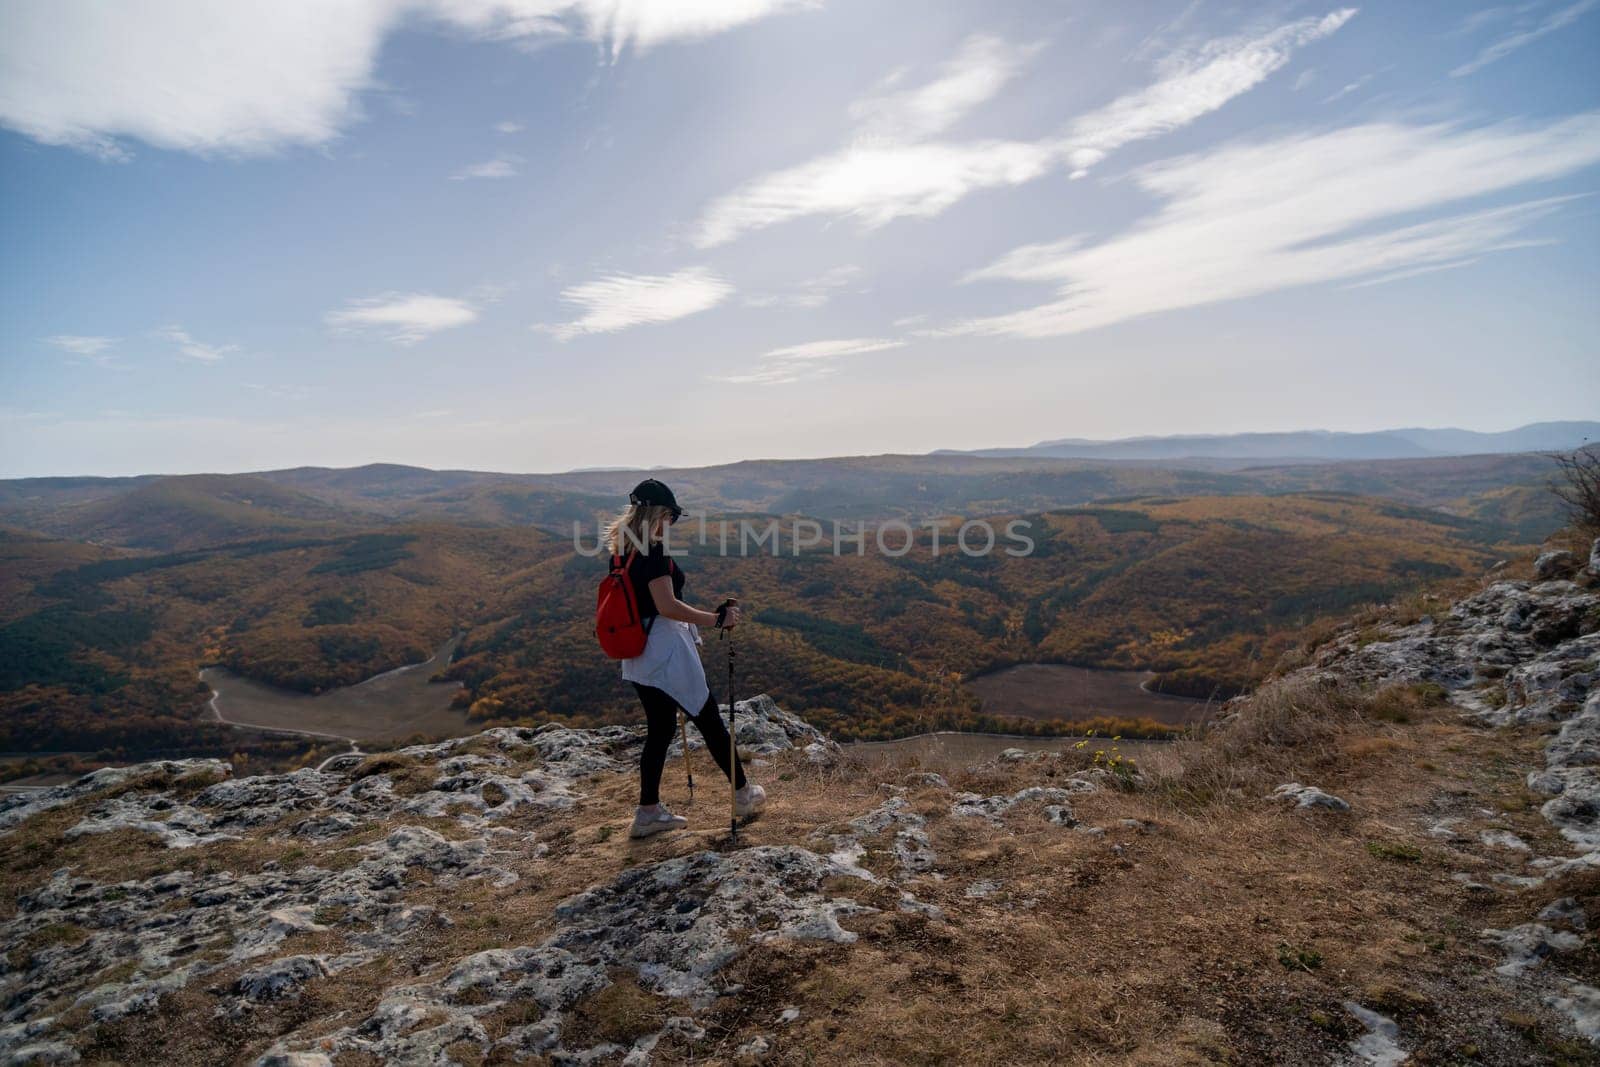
point(655, 493)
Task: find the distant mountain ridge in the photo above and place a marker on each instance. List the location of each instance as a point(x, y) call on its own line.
point(1303, 445)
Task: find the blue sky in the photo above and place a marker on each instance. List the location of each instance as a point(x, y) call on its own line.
point(533, 235)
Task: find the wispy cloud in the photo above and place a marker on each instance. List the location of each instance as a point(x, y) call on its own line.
point(190, 348)
point(403, 318)
point(1252, 218)
point(94, 349)
point(509, 127)
point(809, 294)
point(499, 167)
point(1348, 88)
point(251, 79)
point(875, 181)
point(814, 359)
point(1194, 86)
point(620, 301)
point(976, 73)
point(1556, 20)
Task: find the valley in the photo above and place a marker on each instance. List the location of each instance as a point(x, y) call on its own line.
point(1149, 589)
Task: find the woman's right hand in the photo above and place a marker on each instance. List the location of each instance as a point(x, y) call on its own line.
point(730, 616)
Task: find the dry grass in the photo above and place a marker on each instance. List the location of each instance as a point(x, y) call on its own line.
point(1291, 727)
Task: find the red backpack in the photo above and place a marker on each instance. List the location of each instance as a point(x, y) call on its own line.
point(617, 624)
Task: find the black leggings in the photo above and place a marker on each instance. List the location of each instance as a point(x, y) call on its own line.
point(661, 716)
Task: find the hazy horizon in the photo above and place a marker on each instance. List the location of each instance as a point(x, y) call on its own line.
point(491, 235)
point(598, 468)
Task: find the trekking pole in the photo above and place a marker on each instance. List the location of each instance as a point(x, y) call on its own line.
point(733, 740)
point(683, 734)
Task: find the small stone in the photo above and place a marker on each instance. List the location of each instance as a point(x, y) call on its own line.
point(753, 1051)
point(1581, 1004)
point(1565, 910)
point(1504, 839)
point(1380, 1046)
point(1309, 796)
point(1060, 815)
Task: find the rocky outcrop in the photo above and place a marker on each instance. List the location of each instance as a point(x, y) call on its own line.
point(1518, 652)
point(673, 924)
point(1514, 652)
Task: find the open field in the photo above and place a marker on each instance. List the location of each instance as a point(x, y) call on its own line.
point(388, 707)
point(1057, 691)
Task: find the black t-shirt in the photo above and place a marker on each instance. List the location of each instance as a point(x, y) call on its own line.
point(644, 568)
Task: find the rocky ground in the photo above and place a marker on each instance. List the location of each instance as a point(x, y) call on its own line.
point(1390, 853)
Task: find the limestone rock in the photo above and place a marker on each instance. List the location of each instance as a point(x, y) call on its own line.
point(1380, 1045)
point(675, 924)
point(14, 809)
point(1581, 1004)
point(1528, 945)
point(753, 1051)
point(1558, 563)
point(1309, 796)
point(280, 978)
point(972, 805)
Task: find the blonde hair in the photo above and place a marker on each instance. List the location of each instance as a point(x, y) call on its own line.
point(635, 527)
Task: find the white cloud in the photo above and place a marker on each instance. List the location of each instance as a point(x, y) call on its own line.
point(874, 185)
point(809, 294)
point(621, 301)
point(193, 349)
point(1506, 45)
point(404, 318)
point(1247, 219)
point(499, 167)
point(875, 181)
point(249, 79)
point(618, 25)
point(814, 359)
point(979, 71)
point(90, 348)
point(509, 127)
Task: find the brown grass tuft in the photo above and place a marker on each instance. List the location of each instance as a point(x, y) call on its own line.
point(1289, 727)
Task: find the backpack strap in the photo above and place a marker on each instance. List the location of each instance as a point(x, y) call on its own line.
point(618, 562)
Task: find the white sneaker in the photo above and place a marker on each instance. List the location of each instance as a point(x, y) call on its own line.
point(646, 823)
point(749, 800)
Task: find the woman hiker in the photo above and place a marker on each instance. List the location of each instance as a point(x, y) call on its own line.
point(668, 674)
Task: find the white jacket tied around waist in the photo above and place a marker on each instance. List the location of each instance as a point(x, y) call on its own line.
point(671, 662)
